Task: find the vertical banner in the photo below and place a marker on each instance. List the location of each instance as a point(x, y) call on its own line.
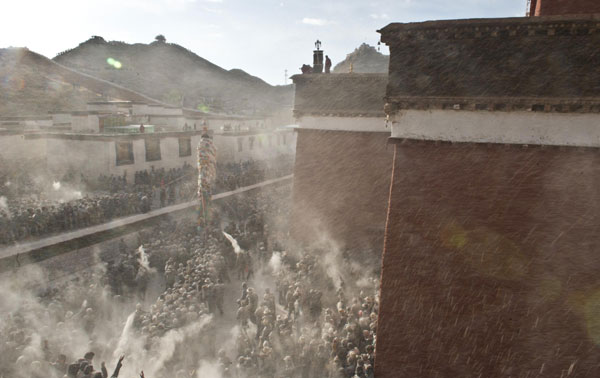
point(207, 171)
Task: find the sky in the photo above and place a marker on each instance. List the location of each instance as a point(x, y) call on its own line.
point(262, 37)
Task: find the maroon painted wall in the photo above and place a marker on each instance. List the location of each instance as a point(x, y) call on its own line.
point(563, 7)
point(341, 188)
point(491, 263)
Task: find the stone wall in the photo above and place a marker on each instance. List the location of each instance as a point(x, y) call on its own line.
point(491, 262)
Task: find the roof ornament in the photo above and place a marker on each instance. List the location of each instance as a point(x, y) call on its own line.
point(318, 45)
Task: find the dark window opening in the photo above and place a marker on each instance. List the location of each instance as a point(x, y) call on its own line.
point(185, 147)
point(124, 153)
point(153, 149)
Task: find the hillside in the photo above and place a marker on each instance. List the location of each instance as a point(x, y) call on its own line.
point(32, 84)
point(364, 59)
point(176, 75)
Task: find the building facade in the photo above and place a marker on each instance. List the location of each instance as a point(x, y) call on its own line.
point(493, 230)
point(115, 154)
point(343, 164)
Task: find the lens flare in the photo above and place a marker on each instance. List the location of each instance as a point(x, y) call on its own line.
point(113, 62)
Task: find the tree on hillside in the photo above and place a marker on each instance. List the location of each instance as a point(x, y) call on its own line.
point(97, 39)
point(160, 38)
point(173, 97)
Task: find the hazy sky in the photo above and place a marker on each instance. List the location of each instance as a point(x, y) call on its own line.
point(262, 37)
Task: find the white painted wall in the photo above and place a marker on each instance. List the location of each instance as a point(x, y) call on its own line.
point(104, 107)
point(78, 123)
point(89, 123)
point(139, 109)
point(61, 117)
point(171, 123)
point(370, 124)
point(169, 150)
point(95, 157)
point(38, 123)
point(87, 157)
point(16, 147)
point(568, 129)
point(228, 151)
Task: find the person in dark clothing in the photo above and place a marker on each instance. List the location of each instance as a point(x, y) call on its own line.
point(327, 65)
point(72, 370)
point(244, 292)
point(115, 373)
point(163, 196)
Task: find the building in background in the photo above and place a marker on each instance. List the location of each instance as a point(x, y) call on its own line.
point(108, 138)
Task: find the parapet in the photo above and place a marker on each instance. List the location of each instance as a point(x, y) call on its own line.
point(545, 64)
point(347, 95)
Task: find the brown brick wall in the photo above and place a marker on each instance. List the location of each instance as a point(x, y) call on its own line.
point(563, 7)
point(341, 187)
point(491, 263)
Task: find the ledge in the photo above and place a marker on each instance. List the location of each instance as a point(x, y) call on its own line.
point(503, 104)
point(113, 137)
point(492, 27)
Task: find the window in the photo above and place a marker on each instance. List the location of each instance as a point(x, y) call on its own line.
point(278, 139)
point(185, 147)
point(259, 142)
point(251, 142)
point(240, 144)
point(152, 149)
point(270, 140)
point(124, 152)
point(284, 141)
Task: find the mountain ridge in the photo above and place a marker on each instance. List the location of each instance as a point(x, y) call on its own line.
point(364, 59)
point(176, 75)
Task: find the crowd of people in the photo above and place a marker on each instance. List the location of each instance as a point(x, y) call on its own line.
point(297, 336)
point(32, 216)
point(292, 317)
point(142, 180)
point(235, 175)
